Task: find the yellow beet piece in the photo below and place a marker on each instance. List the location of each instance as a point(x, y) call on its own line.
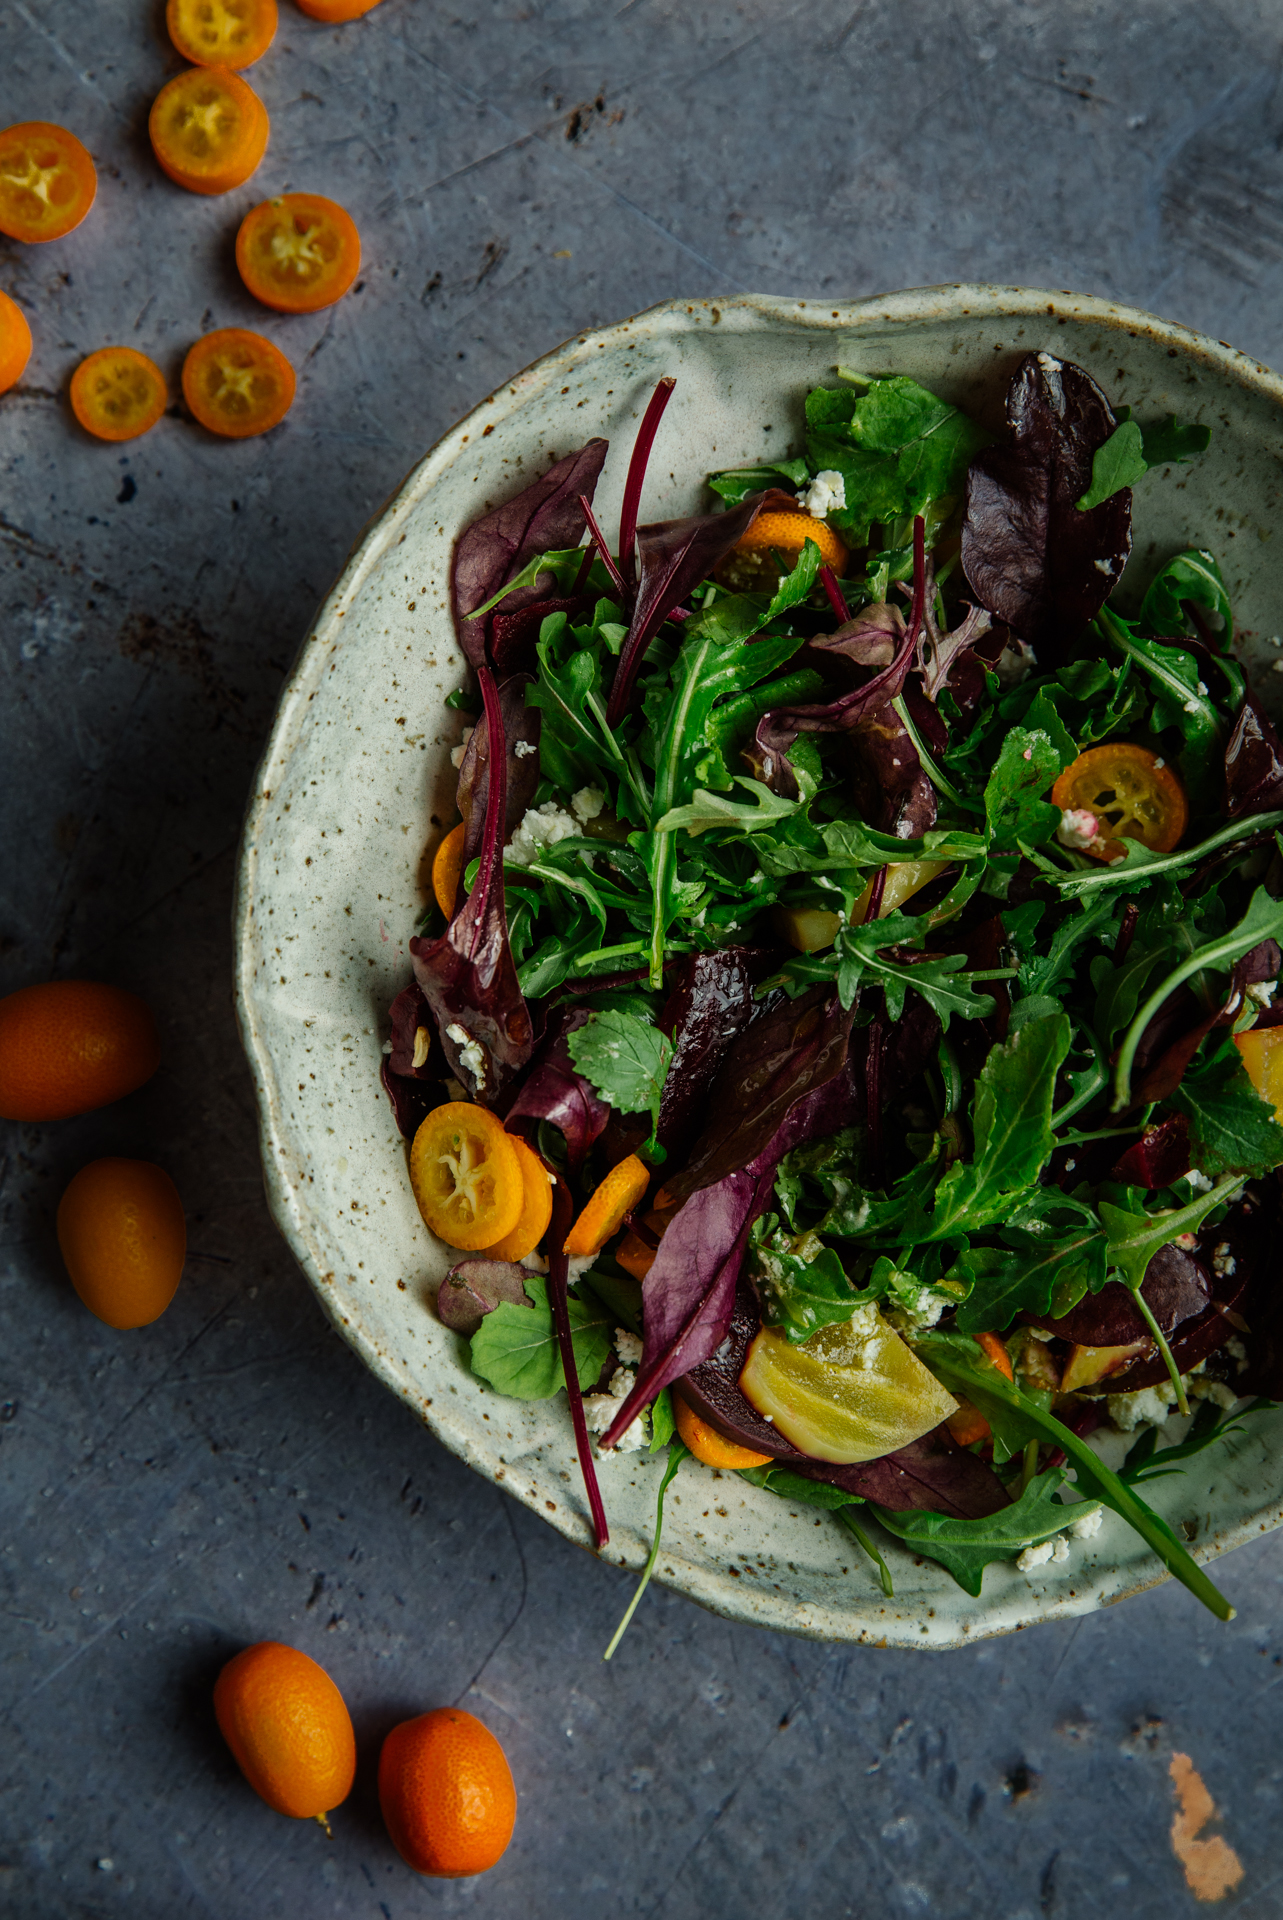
point(809, 929)
point(1262, 1051)
point(850, 1392)
point(904, 879)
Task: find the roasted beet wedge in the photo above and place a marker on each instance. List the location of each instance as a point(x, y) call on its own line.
point(932, 1473)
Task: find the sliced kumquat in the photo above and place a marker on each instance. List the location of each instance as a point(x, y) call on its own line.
point(237, 384)
point(467, 1177)
point(298, 253)
point(117, 393)
point(968, 1424)
point(536, 1207)
point(1262, 1051)
point(221, 33)
point(337, 11)
point(15, 343)
point(208, 129)
point(1122, 792)
point(447, 867)
point(754, 560)
point(47, 181)
point(623, 1188)
point(710, 1446)
point(991, 1344)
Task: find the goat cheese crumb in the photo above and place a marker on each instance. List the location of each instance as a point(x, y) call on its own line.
point(471, 1053)
point(1036, 1556)
point(1224, 1265)
point(1059, 1548)
point(524, 749)
point(577, 1264)
point(1149, 1406)
point(1089, 1526)
point(923, 1313)
point(587, 803)
point(1263, 992)
point(457, 753)
point(1213, 1390)
point(1199, 1180)
point(601, 1408)
point(628, 1346)
point(826, 494)
point(542, 827)
point(1078, 827)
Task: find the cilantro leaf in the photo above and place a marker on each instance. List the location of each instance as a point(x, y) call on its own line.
point(1014, 806)
point(625, 1058)
point(1119, 463)
point(966, 1547)
point(1231, 1128)
point(515, 1348)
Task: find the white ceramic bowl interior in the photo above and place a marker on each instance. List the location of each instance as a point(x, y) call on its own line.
point(357, 782)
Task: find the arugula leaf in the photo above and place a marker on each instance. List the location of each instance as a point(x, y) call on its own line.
point(1182, 701)
point(795, 586)
point(1119, 463)
point(1231, 1128)
point(860, 957)
point(792, 1486)
point(1047, 972)
point(707, 810)
point(1026, 767)
point(1012, 1126)
point(663, 1424)
point(624, 1058)
point(575, 744)
point(515, 1348)
point(966, 1547)
point(1142, 867)
point(851, 844)
point(561, 565)
point(965, 1370)
point(1165, 445)
point(1147, 1461)
point(1192, 575)
point(1136, 1236)
point(733, 484)
point(1044, 1272)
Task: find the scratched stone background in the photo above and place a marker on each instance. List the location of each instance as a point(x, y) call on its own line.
point(518, 172)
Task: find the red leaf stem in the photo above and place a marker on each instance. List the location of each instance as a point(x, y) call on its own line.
point(598, 541)
point(563, 1211)
point(829, 581)
point(637, 474)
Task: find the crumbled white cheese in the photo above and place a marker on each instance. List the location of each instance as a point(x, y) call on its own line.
point(578, 1263)
point(1202, 687)
point(1014, 664)
point(542, 827)
point(1035, 1556)
point(628, 1346)
point(1148, 1407)
point(1276, 666)
point(587, 803)
point(601, 1408)
point(1103, 566)
point(457, 753)
point(524, 749)
point(1224, 1265)
point(1078, 827)
point(1186, 1242)
point(472, 1056)
point(826, 494)
point(1199, 1181)
point(1214, 1390)
point(1089, 1526)
point(923, 1313)
point(1039, 1333)
point(1191, 706)
point(1263, 992)
point(1059, 1548)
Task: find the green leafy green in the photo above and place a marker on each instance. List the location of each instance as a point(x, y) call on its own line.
point(1119, 463)
point(515, 1348)
point(943, 981)
point(560, 565)
point(1146, 1460)
point(707, 810)
point(1045, 1266)
point(1193, 575)
point(625, 1058)
point(1014, 806)
point(966, 1547)
point(897, 447)
point(1231, 1128)
point(1172, 442)
point(735, 483)
point(1012, 1126)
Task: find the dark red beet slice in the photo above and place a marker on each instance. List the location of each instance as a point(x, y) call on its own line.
point(932, 1473)
point(1177, 1287)
point(1198, 1337)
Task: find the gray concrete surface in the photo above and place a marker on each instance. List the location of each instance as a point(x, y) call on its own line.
point(518, 171)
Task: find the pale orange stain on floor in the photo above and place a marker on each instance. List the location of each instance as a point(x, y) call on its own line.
point(1212, 1868)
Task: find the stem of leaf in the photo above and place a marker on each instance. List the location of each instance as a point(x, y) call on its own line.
point(929, 766)
point(829, 581)
point(558, 1299)
point(1099, 1079)
point(676, 1454)
point(596, 536)
point(951, 1074)
point(1083, 882)
point(637, 473)
point(884, 1572)
point(1160, 1341)
point(1028, 1466)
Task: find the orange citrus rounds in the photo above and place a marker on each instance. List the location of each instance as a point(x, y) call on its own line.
point(237, 384)
point(123, 1239)
point(118, 393)
point(208, 129)
point(467, 1176)
point(72, 1045)
point(710, 1446)
point(447, 1794)
point(337, 10)
point(15, 343)
point(47, 181)
point(288, 1728)
point(221, 33)
point(298, 253)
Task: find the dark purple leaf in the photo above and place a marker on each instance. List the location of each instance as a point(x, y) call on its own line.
point(1202, 1334)
point(1182, 1023)
point(468, 975)
point(406, 1085)
point(475, 1287)
point(1030, 557)
point(411, 1100)
point(554, 1091)
point(637, 473)
point(932, 1473)
point(941, 655)
point(1159, 1158)
point(544, 516)
point(563, 1211)
point(521, 747)
point(777, 730)
point(710, 1002)
point(513, 635)
point(674, 557)
point(868, 641)
point(1253, 763)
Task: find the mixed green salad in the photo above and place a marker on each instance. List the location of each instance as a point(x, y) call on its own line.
point(844, 1045)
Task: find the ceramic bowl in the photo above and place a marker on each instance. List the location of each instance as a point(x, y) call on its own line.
point(357, 780)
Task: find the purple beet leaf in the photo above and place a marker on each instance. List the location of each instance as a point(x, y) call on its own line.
point(544, 516)
point(1159, 1158)
point(1031, 558)
point(710, 1002)
point(513, 635)
point(521, 746)
point(475, 1287)
point(1253, 763)
point(554, 1091)
point(674, 557)
point(468, 976)
point(414, 1037)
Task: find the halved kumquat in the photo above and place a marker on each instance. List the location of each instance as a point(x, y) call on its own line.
point(337, 11)
point(117, 393)
point(221, 33)
point(623, 1189)
point(298, 253)
point(710, 1446)
point(237, 384)
point(208, 130)
point(15, 343)
point(536, 1207)
point(47, 181)
point(466, 1176)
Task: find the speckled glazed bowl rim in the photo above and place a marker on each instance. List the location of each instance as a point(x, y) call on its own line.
point(880, 316)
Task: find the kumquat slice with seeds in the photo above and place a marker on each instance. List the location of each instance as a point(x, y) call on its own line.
point(117, 393)
point(298, 253)
point(47, 181)
point(1117, 792)
point(208, 130)
point(237, 384)
point(466, 1176)
point(221, 33)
